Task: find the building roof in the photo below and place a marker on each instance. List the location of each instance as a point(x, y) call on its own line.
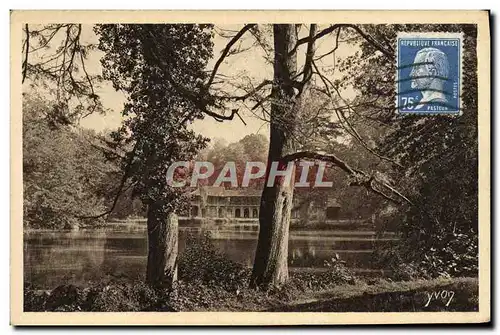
point(220, 191)
point(209, 190)
point(332, 202)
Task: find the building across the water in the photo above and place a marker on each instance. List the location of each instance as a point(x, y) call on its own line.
point(219, 202)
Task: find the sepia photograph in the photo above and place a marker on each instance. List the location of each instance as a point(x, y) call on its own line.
point(171, 162)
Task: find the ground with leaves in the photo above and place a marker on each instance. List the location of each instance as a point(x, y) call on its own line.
point(372, 296)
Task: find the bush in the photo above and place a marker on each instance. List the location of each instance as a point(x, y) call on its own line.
point(454, 255)
point(337, 273)
point(450, 254)
point(111, 297)
point(202, 263)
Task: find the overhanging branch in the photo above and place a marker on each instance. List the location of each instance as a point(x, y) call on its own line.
point(247, 95)
point(125, 177)
point(225, 52)
point(340, 114)
point(360, 178)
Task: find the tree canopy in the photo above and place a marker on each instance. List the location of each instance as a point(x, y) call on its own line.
point(65, 177)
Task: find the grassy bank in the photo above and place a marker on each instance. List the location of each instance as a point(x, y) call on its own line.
point(457, 294)
point(362, 296)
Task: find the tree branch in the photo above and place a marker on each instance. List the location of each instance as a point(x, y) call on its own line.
point(198, 99)
point(55, 30)
point(124, 179)
point(225, 53)
point(222, 117)
point(330, 29)
point(333, 50)
point(309, 55)
point(104, 149)
point(25, 62)
point(248, 94)
point(322, 157)
point(360, 178)
point(340, 114)
point(315, 37)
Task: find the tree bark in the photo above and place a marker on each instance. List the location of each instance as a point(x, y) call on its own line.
point(271, 257)
point(162, 247)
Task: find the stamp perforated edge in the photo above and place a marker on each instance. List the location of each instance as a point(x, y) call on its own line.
point(430, 34)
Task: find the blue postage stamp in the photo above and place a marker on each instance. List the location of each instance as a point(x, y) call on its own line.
point(429, 73)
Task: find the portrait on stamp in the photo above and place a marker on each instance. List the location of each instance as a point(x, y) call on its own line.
point(232, 167)
point(428, 73)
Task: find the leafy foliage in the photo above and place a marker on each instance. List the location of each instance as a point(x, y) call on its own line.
point(65, 178)
point(144, 61)
point(202, 262)
point(158, 67)
point(251, 148)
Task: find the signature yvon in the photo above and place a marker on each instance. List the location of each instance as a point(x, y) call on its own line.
point(443, 295)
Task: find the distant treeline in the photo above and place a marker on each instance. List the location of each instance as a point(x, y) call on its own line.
point(67, 177)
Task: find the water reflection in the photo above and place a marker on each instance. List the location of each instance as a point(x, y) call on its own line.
point(52, 258)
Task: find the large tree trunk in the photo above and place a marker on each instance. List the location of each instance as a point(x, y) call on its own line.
point(162, 247)
point(270, 265)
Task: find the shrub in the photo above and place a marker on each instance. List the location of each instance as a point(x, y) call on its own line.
point(202, 263)
point(136, 296)
point(337, 273)
point(449, 254)
point(454, 255)
point(110, 297)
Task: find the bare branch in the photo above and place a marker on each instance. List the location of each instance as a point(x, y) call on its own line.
point(125, 177)
point(372, 187)
point(59, 59)
point(104, 149)
point(253, 91)
point(226, 51)
point(27, 44)
point(309, 55)
point(333, 50)
point(352, 131)
point(261, 101)
point(330, 29)
point(47, 41)
point(262, 43)
point(315, 37)
point(325, 158)
point(372, 41)
point(222, 117)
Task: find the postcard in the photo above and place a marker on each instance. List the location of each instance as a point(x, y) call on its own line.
point(250, 167)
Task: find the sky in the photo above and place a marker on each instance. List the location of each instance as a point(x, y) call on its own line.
point(248, 66)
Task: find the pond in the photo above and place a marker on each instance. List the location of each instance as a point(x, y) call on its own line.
point(52, 258)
